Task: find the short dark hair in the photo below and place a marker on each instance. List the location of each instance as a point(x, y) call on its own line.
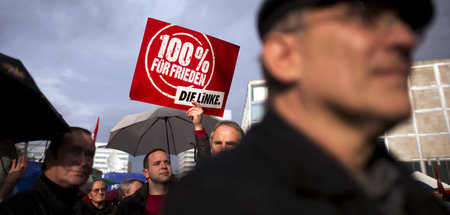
point(95, 180)
point(56, 142)
point(229, 123)
point(145, 162)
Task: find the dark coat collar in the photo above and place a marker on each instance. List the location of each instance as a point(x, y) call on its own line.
point(308, 167)
point(66, 195)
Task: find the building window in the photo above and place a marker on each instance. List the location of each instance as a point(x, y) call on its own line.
point(257, 112)
point(259, 93)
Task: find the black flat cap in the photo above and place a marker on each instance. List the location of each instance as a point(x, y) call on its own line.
point(417, 13)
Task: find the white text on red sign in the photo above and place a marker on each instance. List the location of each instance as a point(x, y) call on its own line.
point(174, 50)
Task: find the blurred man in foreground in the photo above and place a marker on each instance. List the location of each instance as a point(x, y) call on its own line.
point(337, 73)
point(150, 198)
point(67, 166)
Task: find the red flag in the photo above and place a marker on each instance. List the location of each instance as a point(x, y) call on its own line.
point(94, 134)
point(438, 181)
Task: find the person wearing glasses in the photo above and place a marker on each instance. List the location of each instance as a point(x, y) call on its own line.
point(67, 166)
point(337, 74)
point(97, 195)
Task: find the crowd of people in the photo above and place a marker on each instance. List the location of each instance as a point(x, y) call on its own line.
point(68, 164)
point(337, 73)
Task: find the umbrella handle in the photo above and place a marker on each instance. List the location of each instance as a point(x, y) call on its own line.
point(166, 120)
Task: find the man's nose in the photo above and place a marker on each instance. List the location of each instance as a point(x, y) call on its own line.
point(402, 38)
point(85, 159)
point(163, 165)
point(223, 146)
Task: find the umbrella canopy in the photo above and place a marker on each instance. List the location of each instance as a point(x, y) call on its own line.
point(26, 114)
point(162, 127)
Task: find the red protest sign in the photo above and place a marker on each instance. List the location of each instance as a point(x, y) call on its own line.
point(177, 65)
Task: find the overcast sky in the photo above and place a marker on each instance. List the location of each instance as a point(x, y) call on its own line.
point(82, 54)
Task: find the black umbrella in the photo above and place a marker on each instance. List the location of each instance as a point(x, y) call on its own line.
point(165, 128)
point(26, 114)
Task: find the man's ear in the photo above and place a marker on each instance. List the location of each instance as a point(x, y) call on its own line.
point(49, 159)
point(281, 57)
point(145, 173)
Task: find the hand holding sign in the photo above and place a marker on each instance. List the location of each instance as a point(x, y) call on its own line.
point(177, 65)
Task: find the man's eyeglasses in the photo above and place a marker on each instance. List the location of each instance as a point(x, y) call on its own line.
point(98, 190)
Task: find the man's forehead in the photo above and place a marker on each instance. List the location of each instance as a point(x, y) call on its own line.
point(99, 184)
point(158, 155)
point(78, 139)
point(223, 128)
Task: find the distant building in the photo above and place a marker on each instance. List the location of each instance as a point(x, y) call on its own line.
point(35, 149)
point(186, 160)
point(110, 160)
point(421, 143)
point(254, 103)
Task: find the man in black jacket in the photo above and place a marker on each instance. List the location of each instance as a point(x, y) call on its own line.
point(337, 73)
point(67, 166)
point(150, 198)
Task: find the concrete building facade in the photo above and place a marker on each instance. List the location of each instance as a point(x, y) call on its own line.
point(110, 160)
point(254, 103)
point(34, 150)
point(423, 142)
